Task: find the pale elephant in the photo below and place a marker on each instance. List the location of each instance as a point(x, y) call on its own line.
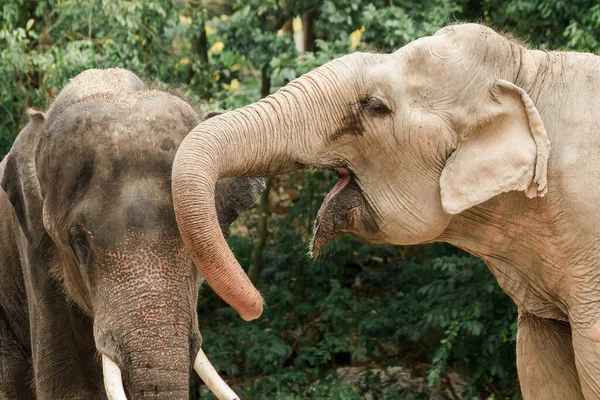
point(446, 139)
point(94, 277)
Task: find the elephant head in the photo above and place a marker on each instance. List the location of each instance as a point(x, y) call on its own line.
point(415, 136)
point(90, 185)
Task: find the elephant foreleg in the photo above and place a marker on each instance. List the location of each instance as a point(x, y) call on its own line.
point(586, 343)
point(545, 359)
point(15, 366)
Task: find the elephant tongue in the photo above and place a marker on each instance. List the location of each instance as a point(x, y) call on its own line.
point(342, 183)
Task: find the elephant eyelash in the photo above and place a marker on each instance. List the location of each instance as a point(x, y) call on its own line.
point(373, 104)
point(80, 244)
point(352, 123)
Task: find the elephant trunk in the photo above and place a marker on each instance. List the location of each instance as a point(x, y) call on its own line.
point(161, 372)
point(278, 134)
point(147, 353)
point(233, 144)
point(145, 318)
point(113, 380)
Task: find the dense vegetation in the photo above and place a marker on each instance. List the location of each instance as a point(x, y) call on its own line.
point(431, 309)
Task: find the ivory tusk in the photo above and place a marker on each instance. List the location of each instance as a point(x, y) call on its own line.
point(113, 383)
point(211, 378)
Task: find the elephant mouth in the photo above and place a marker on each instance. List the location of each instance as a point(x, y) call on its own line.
point(345, 178)
point(338, 210)
point(115, 390)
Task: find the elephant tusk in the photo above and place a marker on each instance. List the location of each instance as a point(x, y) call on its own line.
point(113, 384)
point(211, 378)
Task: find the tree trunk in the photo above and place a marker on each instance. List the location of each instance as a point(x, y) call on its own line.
point(265, 80)
point(263, 234)
point(308, 31)
point(200, 44)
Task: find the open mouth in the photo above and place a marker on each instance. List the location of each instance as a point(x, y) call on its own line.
point(345, 179)
point(344, 210)
point(335, 212)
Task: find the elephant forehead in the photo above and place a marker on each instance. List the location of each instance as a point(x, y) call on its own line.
point(103, 129)
point(100, 146)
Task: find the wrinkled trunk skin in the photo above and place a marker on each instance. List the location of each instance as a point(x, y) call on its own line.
point(146, 320)
point(154, 359)
point(255, 140)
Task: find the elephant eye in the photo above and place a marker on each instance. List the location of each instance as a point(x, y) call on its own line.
point(375, 105)
point(80, 243)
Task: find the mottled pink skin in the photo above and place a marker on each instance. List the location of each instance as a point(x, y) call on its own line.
point(145, 319)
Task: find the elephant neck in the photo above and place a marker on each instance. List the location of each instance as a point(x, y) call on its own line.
point(553, 80)
point(518, 244)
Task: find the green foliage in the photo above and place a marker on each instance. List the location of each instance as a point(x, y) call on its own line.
point(361, 305)
point(432, 308)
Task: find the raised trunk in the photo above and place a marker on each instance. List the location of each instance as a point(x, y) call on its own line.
point(278, 134)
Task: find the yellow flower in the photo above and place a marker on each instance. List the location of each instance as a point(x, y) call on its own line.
point(217, 47)
point(208, 30)
point(235, 84)
point(355, 37)
point(235, 68)
point(297, 24)
point(185, 61)
point(185, 20)
point(217, 77)
point(137, 37)
point(224, 17)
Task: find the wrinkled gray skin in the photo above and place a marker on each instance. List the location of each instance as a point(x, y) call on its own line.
point(454, 137)
point(91, 261)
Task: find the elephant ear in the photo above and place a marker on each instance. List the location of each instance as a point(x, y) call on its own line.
point(506, 150)
point(19, 179)
point(234, 195)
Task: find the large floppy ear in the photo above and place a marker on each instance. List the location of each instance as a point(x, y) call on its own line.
point(234, 195)
point(19, 179)
point(506, 149)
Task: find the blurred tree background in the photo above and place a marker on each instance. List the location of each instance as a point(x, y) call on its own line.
point(360, 321)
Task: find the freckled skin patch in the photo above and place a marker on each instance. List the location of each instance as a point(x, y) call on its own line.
point(151, 279)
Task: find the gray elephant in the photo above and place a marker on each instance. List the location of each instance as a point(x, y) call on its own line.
point(92, 266)
point(446, 139)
